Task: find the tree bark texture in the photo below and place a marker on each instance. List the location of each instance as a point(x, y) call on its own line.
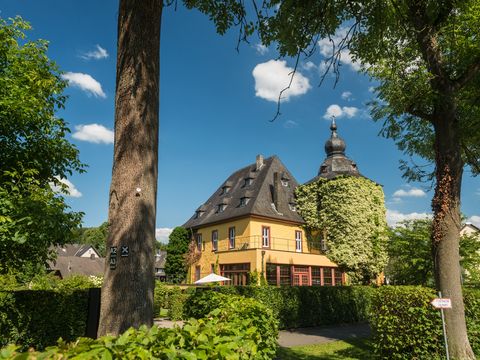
point(127, 292)
point(447, 224)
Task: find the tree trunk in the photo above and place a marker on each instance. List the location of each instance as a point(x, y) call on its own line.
point(127, 292)
point(446, 225)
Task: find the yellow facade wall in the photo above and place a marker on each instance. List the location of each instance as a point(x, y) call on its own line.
point(248, 246)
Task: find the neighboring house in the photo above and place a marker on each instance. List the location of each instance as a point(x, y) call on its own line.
point(160, 258)
point(250, 224)
point(76, 259)
point(470, 229)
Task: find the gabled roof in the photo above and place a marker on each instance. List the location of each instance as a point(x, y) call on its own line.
point(74, 250)
point(260, 195)
point(75, 265)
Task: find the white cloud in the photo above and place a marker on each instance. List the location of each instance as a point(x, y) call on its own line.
point(85, 82)
point(371, 89)
point(69, 190)
point(93, 133)
point(99, 53)
point(260, 48)
point(162, 234)
point(309, 66)
point(475, 220)
point(346, 95)
point(413, 192)
point(328, 46)
point(394, 216)
point(273, 76)
point(289, 124)
point(339, 112)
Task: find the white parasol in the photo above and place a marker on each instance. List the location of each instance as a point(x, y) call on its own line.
point(211, 278)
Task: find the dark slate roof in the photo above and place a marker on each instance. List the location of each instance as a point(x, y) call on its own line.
point(74, 250)
point(336, 163)
point(260, 194)
point(75, 265)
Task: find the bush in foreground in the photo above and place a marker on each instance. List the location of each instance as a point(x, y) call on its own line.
point(239, 328)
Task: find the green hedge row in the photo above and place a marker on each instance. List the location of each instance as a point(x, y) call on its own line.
point(39, 317)
point(302, 306)
point(406, 326)
point(238, 328)
point(171, 298)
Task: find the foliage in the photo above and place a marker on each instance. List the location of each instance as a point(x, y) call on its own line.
point(39, 317)
point(177, 248)
point(95, 236)
point(296, 306)
point(406, 326)
point(410, 255)
point(33, 152)
point(172, 298)
point(350, 211)
point(239, 329)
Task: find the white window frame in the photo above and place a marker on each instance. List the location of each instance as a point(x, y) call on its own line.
point(298, 241)
point(231, 237)
point(265, 236)
point(199, 239)
point(214, 240)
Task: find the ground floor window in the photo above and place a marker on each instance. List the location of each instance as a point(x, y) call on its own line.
point(197, 272)
point(303, 275)
point(238, 273)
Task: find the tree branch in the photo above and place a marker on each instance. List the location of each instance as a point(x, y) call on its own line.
point(468, 75)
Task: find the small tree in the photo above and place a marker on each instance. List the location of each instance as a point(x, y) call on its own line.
point(33, 153)
point(177, 249)
point(95, 236)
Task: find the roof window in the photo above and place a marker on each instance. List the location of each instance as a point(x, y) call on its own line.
point(244, 201)
point(220, 208)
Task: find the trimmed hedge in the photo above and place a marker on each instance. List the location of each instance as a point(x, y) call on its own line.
point(239, 328)
point(303, 306)
point(406, 326)
point(37, 318)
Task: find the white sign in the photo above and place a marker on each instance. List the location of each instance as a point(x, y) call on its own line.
point(440, 303)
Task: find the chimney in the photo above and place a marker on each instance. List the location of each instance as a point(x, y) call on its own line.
point(259, 162)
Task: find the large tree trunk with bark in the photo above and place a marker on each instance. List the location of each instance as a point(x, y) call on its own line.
point(127, 292)
point(447, 223)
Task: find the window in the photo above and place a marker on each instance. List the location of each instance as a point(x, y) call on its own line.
point(298, 241)
point(225, 190)
point(284, 182)
point(265, 236)
point(327, 276)
point(244, 201)
point(285, 275)
point(212, 268)
point(238, 273)
point(316, 276)
point(199, 241)
point(247, 181)
point(292, 206)
point(231, 237)
point(272, 274)
point(198, 214)
point(220, 208)
point(197, 272)
point(214, 240)
point(338, 277)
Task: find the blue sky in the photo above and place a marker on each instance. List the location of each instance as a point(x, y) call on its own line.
point(215, 107)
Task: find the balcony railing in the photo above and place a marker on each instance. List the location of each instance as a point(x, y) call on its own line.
point(257, 242)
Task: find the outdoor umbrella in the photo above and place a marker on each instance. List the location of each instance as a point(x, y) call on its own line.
point(211, 278)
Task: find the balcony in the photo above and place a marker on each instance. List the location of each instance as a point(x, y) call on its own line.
point(257, 242)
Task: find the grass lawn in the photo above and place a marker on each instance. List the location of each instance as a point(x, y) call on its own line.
point(352, 349)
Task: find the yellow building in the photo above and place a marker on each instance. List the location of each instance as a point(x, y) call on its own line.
point(250, 224)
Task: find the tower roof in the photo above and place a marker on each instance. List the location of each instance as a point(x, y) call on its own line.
point(336, 163)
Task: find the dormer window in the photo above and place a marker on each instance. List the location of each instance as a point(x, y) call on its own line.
point(247, 181)
point(220, 208)
point(198, 214)
point(225, 190)
point(292, 206)
point(284, 182)
point(244, 201)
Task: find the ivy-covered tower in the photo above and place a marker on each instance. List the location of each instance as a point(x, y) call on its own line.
point(345, 212)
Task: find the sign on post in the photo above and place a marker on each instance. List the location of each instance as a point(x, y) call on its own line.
point(442, 303)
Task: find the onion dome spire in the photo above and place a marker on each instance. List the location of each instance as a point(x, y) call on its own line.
point(335, 145)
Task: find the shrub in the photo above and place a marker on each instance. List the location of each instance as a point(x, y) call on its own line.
point(406, 326)
point(39, 317)
point(302, 306)
point(170, 297)
point(238, 329)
